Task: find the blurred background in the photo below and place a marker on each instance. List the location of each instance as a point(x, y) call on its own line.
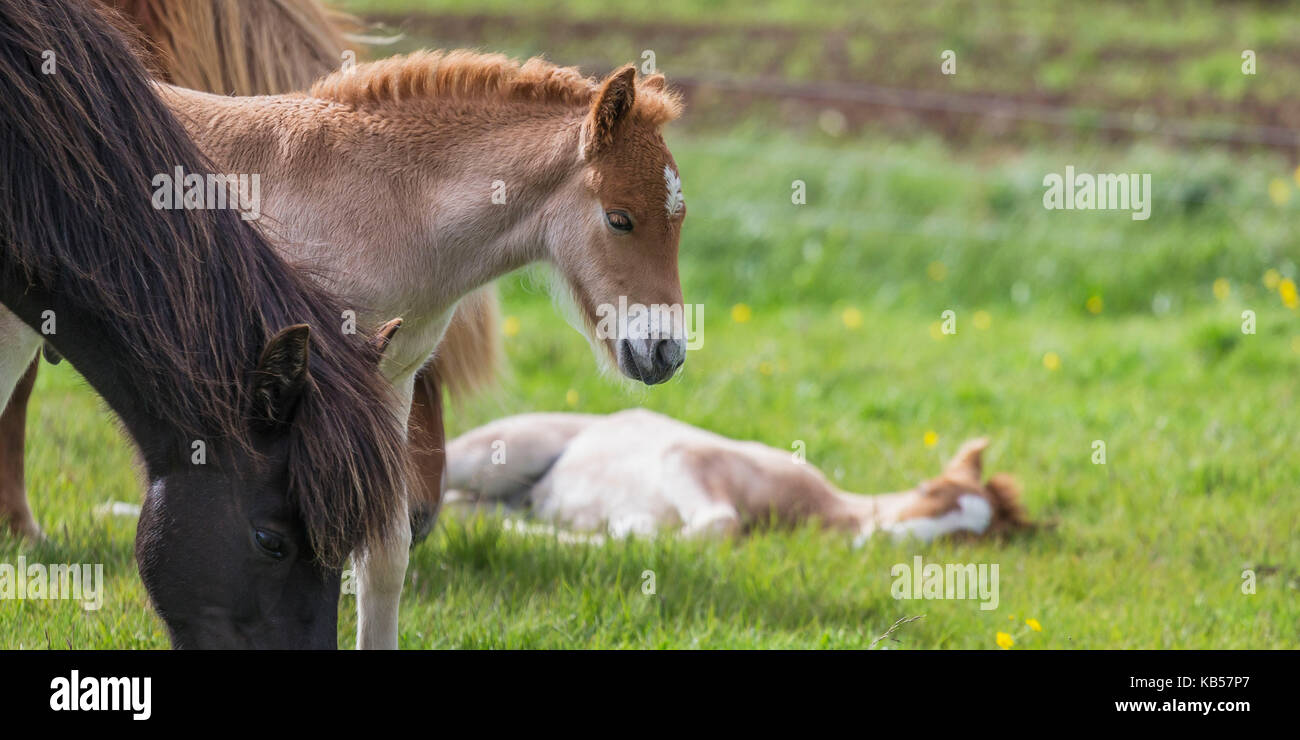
point(913, 173)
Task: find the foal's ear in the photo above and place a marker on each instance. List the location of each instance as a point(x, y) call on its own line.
point(281, 376)
point(613, 103)
point(968, 463)
point(655, 81)
point(385, 335)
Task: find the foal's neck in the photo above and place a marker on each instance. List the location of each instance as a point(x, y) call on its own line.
point(408, 205)
point(869, 511)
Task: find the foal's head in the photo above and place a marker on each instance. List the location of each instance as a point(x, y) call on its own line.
point(604, 202)
point(224, 545)
point(616, 243)
point(960, 503)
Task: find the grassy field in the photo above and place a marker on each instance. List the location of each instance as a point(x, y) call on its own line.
point(1144, 60)
point(821, 324)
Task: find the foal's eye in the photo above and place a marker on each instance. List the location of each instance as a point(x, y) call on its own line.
point(270, 542)
point(619, 220)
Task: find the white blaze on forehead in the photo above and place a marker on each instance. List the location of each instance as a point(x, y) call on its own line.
point(675, 198)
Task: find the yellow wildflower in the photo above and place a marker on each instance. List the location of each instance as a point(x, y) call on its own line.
point(1279, 191)
point(1272, 278)
point(851, 317)
point(1287, 290)
point(1222, 289)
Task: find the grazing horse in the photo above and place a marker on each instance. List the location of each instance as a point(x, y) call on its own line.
point(412, 181)
point(263, 48)
point(638, 472)
point(270, 450)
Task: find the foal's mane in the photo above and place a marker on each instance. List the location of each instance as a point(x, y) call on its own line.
point(471, 75)
point(271, 47)
point(186, 299)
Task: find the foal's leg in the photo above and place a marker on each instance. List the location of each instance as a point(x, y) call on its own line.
point(428, 451)
point(18, 347)
point(704, 499)
point(13, 428)
point(381, 570)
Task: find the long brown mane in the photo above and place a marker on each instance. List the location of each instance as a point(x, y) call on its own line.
point(270, 47)
point(187, 298)
point(466, 74)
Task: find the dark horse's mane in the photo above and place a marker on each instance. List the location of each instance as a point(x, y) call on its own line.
point(189, 297)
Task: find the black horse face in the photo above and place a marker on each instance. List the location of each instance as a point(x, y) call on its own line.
point(228, 564)
point(221, 549)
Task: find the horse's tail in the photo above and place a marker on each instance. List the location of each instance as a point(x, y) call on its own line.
point(469, 358)
point(240, 48)
point(277, 46)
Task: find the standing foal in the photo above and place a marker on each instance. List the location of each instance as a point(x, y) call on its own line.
point(409, 182)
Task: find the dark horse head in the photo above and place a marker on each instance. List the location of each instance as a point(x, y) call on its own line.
point(271, 450)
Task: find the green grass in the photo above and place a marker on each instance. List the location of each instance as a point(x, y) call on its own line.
point(1146, 551)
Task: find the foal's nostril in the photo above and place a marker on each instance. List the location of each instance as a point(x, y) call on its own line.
point(669, 353)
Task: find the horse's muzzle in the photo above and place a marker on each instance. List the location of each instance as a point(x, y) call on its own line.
point(651, 361)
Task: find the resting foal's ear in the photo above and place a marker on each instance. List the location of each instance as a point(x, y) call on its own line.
point(282, 376)
point(968, 464)
point(615, 101)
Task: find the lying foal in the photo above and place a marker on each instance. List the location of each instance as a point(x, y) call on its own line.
point(637, 472)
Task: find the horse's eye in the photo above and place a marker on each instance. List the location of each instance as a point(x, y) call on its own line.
point(270, 542)
point(619, 220)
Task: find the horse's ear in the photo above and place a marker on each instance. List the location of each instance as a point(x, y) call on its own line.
point(385, 335)
point(281, 376)
point(613, 103)
point(968, 464)
point(655, 81)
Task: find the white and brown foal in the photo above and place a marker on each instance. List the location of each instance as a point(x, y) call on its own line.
point(638, 472)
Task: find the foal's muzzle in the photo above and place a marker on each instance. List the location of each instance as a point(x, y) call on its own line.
point(651, 361)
